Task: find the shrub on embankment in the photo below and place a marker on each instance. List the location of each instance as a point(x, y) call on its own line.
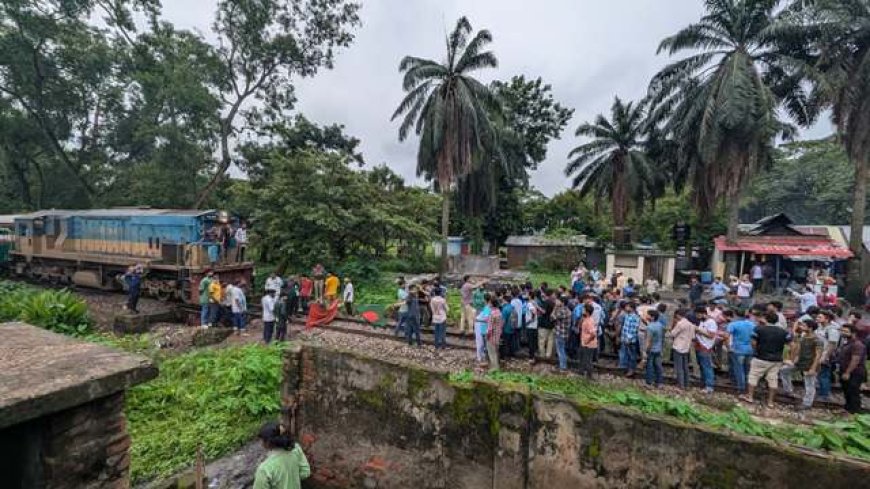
point(214, 398)
point(849, 436)
point(57, 310)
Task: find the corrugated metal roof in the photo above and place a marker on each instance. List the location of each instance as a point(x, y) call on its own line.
point(579, 240)
point(786, 245)
point(116, 212)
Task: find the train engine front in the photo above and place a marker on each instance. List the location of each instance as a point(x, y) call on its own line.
point(93, 248)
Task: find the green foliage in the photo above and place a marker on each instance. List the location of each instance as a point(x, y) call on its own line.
point(314, 208)
point(56, 310)
point(810, 180)
point(851, 437)
point(216, 398)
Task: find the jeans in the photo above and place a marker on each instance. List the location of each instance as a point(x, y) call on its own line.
point(785, 374)
point(681, 368)
point(294, 306)
point(412, 330)
point(654, 373)
point(214, 311)
point(480, 343)
point(133, 299)
point(705, 361)
point(852, 392)
point(440, 335)
point(629, 352)
point(239, 320)
point(560, 351)
point(281, 331)
point(268, 327)
point(825, 381)
point(348, 308)
point(400, 324)
point(203, 314)
point(508, 342)
point(532, 335)
point(739, 370)
point(586, 357)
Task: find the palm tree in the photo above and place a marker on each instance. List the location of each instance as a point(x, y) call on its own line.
point(720, 102)
point(833, 38)
point(613, 165)
point(450, 111)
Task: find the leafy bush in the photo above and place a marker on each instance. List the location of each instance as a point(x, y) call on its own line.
point(57, 310)
point(216, 398)
point(851, 437)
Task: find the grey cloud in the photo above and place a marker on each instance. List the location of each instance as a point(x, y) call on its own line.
point(588, 50)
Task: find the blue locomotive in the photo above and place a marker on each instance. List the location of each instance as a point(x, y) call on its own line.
point(93, 248)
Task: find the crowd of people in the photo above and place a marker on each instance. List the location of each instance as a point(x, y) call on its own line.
point(283, 299)
point(721, 326)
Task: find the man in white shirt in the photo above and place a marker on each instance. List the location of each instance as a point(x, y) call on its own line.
point(744, 292)
point(268, 304)
point(807, 299)
point(239, 308)
point(757, 276)
point(705, 335)
point(241, 238)
point(347, 296)
point(274, 283)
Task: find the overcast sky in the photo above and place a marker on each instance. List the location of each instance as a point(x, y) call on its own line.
point(588, 50)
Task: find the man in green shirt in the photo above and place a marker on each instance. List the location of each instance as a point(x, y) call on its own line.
point(203, 299)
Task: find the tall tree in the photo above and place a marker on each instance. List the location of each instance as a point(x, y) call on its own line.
point(613, 165)
point(262, 45)
point(720, 102)
point(57, 72)
point(451, 112)
point(836, 34)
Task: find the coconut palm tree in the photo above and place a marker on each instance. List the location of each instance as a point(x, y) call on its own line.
point(832, 38)
point(720, 102)
point(613, 165)
point(450, 111)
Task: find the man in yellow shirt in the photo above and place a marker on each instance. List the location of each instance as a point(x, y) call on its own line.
point(331, 286)
point(215, 296)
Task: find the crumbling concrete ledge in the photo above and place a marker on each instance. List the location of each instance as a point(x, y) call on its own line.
point(43, 372)
point(366, 422)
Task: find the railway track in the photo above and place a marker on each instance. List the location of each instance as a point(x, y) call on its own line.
point(607, 363)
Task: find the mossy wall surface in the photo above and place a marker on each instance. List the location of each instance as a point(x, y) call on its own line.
point(366, 422)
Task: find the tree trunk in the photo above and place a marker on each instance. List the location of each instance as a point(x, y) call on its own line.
point(445, 225)
point(854, 286)
point(733, 215)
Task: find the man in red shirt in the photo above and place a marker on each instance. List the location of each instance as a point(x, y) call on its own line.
point(305, 287)
point(825, 299)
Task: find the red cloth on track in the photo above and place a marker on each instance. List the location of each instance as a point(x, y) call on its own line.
point(319, 315)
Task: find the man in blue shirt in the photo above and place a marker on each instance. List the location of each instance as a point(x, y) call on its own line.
point(509, 316)
point(133, 279)
point(628, 338)
point(740, 331)
point(655, 334)
point(718, 291)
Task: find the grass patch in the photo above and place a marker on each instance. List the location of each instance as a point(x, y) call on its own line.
point(217, 398)
point(56, 310)
point(850, 436)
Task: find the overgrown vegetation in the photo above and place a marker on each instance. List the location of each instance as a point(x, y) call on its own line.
point(56, 310)
point(851, 436)
point(216, 398)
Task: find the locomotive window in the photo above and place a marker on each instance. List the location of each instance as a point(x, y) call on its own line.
point(149, 242)
point(157, 243)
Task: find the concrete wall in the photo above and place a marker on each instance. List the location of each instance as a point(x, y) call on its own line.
point(83, 447)
point(370, 423)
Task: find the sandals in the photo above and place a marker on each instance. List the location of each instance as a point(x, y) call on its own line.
point(746, 399)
